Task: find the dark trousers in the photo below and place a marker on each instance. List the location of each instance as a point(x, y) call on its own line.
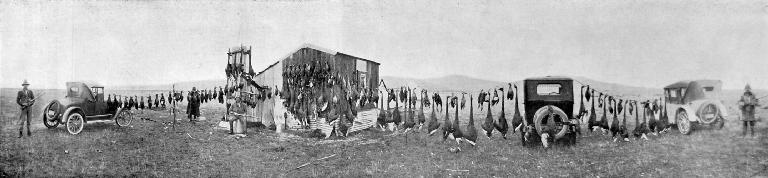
point(749, 125)
point(24, 118)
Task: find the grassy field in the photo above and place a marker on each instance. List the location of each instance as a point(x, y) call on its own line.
point(153, 148)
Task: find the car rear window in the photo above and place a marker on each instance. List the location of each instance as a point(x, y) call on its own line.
point(74, 92)
point(548, 89)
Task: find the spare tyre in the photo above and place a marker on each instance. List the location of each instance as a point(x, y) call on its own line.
point(550, 119)
point(708, 112)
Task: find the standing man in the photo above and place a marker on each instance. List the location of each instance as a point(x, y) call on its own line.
point(747, 104)
point(25, 98)
point(193, 105)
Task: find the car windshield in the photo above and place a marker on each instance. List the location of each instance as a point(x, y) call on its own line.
point(548, 89)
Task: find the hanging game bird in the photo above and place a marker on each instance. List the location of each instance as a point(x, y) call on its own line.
point(517, 119)
point(433, 124)
point(457, 133)
point(592, 123)
point(447, 128)
point(471, 132)
point(501, 125)
point(488, 123)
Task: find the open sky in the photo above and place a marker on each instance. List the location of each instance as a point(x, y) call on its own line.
point(647, 43)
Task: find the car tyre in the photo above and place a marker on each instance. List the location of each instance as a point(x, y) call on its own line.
point(75, 123)
point(683, 124)
point(124, 118)
point(50, 113)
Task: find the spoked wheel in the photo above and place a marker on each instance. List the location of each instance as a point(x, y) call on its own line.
point(75, 123)
point(50, 114)
point(683, 124)
point(124, 118)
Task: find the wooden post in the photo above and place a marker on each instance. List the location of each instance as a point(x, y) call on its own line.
point(173, 108)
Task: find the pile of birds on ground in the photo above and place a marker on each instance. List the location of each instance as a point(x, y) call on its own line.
point(612, 106)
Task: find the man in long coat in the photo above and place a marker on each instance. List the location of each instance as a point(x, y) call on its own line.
point(193, 105)
point(747, 103)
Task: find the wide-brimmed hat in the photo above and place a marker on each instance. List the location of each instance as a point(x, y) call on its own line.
point(746, 88)
point(25, 82)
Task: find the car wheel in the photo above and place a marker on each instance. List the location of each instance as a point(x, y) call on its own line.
point(50, 114)
point(75, 123)
point(683, 124)
point(124, 118)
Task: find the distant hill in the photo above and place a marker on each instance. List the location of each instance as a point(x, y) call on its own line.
point(447, 83)
point(452, 83)
point(200, 84)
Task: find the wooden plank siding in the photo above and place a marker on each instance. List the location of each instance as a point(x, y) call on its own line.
point(342, 63)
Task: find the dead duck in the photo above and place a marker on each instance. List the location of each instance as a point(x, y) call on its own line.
point(664, 120)
point(517, 119)
point(433, 124)
point(409, 121)
point(457, 133)
point(603, 119)
point(382, 119)
point(501, 125)
point(623, 128)
point(470, 134)
point(421, 117)
point(488, 123)
point(396, 117)
point(592, 123)
point(653, 126)
point(614, 120)
point(447, 128)
point(641, 130)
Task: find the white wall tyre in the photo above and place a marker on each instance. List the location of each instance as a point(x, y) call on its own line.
point(124, 118)
point(75, 123)
point(683, 124)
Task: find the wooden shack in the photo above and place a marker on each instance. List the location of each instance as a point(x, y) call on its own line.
point(363, 71)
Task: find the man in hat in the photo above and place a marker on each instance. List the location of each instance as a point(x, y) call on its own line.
point(747, 103)
point(25, 98)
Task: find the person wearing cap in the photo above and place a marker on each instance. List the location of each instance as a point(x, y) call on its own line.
point(747, 103)
point(25, 98)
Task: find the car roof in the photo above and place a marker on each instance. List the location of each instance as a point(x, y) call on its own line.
point(91, 84)
point(685, 83)
point(550, 78)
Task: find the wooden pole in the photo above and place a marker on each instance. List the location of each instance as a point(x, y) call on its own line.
point(173, 108)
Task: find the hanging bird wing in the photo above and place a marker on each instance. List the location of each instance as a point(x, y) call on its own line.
point(463, 101)
point(510, 94)
point(588, 95)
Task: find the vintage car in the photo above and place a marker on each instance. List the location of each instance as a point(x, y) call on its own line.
point(81, 104)
point(548, 102)
point(692, 104)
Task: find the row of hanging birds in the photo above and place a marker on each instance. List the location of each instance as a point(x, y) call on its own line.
point(612, 107)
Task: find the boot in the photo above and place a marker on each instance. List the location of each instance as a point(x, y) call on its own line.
point(21, 133)
point(29, 133)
